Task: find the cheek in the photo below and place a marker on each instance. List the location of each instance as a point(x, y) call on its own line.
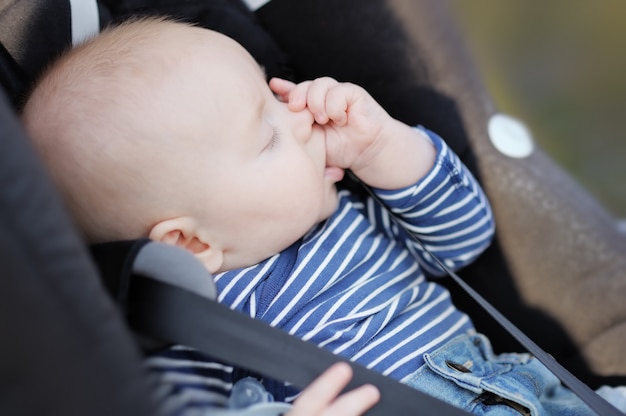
point(296, 189)
point(301, 176)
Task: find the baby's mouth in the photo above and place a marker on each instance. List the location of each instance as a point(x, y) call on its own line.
point(334, 173)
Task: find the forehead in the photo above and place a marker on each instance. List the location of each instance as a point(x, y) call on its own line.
point(229, 69)
point(219, 88)
point(221, 52)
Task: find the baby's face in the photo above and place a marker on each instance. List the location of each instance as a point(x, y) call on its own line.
point(260, 177)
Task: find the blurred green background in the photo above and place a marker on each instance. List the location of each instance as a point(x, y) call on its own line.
point(560, 67)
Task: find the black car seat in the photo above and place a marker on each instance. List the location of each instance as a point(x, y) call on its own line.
point(65, 348)
point(556, 269)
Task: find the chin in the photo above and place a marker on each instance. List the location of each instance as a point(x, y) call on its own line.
point(330, 205)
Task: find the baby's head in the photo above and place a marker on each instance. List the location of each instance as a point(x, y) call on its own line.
point(169, 131)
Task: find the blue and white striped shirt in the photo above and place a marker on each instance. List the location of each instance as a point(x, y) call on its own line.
point(356, 284)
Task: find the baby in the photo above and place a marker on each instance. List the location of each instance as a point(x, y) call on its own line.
point(165, 130)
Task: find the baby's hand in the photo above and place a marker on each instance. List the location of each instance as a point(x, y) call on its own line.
point(321, 398)
point(381, 151)
point(352, 120)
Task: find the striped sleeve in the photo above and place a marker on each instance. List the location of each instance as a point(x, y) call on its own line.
point(187, 382)
point(446, 210)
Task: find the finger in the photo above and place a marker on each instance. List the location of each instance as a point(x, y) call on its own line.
point(323, 390)
point(316, 98)
point(338, 102)
point(281, 87)
point(298, 99)
point(355, 402)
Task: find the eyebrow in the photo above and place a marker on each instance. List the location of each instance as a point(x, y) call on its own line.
point(260, 105)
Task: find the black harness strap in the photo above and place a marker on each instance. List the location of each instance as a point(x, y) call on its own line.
point(168, 297)
point(177, 315)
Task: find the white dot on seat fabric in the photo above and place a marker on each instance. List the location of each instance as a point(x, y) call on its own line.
point(510, 136)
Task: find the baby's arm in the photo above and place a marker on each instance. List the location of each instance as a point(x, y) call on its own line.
point(381, 151)
point(413, 171)
point(446, 210)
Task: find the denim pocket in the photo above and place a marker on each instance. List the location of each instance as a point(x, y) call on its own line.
point(468, 374)
point(470, 363)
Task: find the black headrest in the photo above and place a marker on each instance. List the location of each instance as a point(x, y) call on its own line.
point(231, 17)
point(24, 51)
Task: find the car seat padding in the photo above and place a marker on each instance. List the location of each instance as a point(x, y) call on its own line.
point(64, 347)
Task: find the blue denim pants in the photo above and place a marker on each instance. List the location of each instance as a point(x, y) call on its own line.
point(468, 374)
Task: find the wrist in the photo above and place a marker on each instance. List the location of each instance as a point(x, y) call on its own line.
point(399, 157)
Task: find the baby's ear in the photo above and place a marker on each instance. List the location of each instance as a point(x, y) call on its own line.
point(185, 232)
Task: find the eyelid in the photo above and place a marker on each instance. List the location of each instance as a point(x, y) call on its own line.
point(274, 139)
